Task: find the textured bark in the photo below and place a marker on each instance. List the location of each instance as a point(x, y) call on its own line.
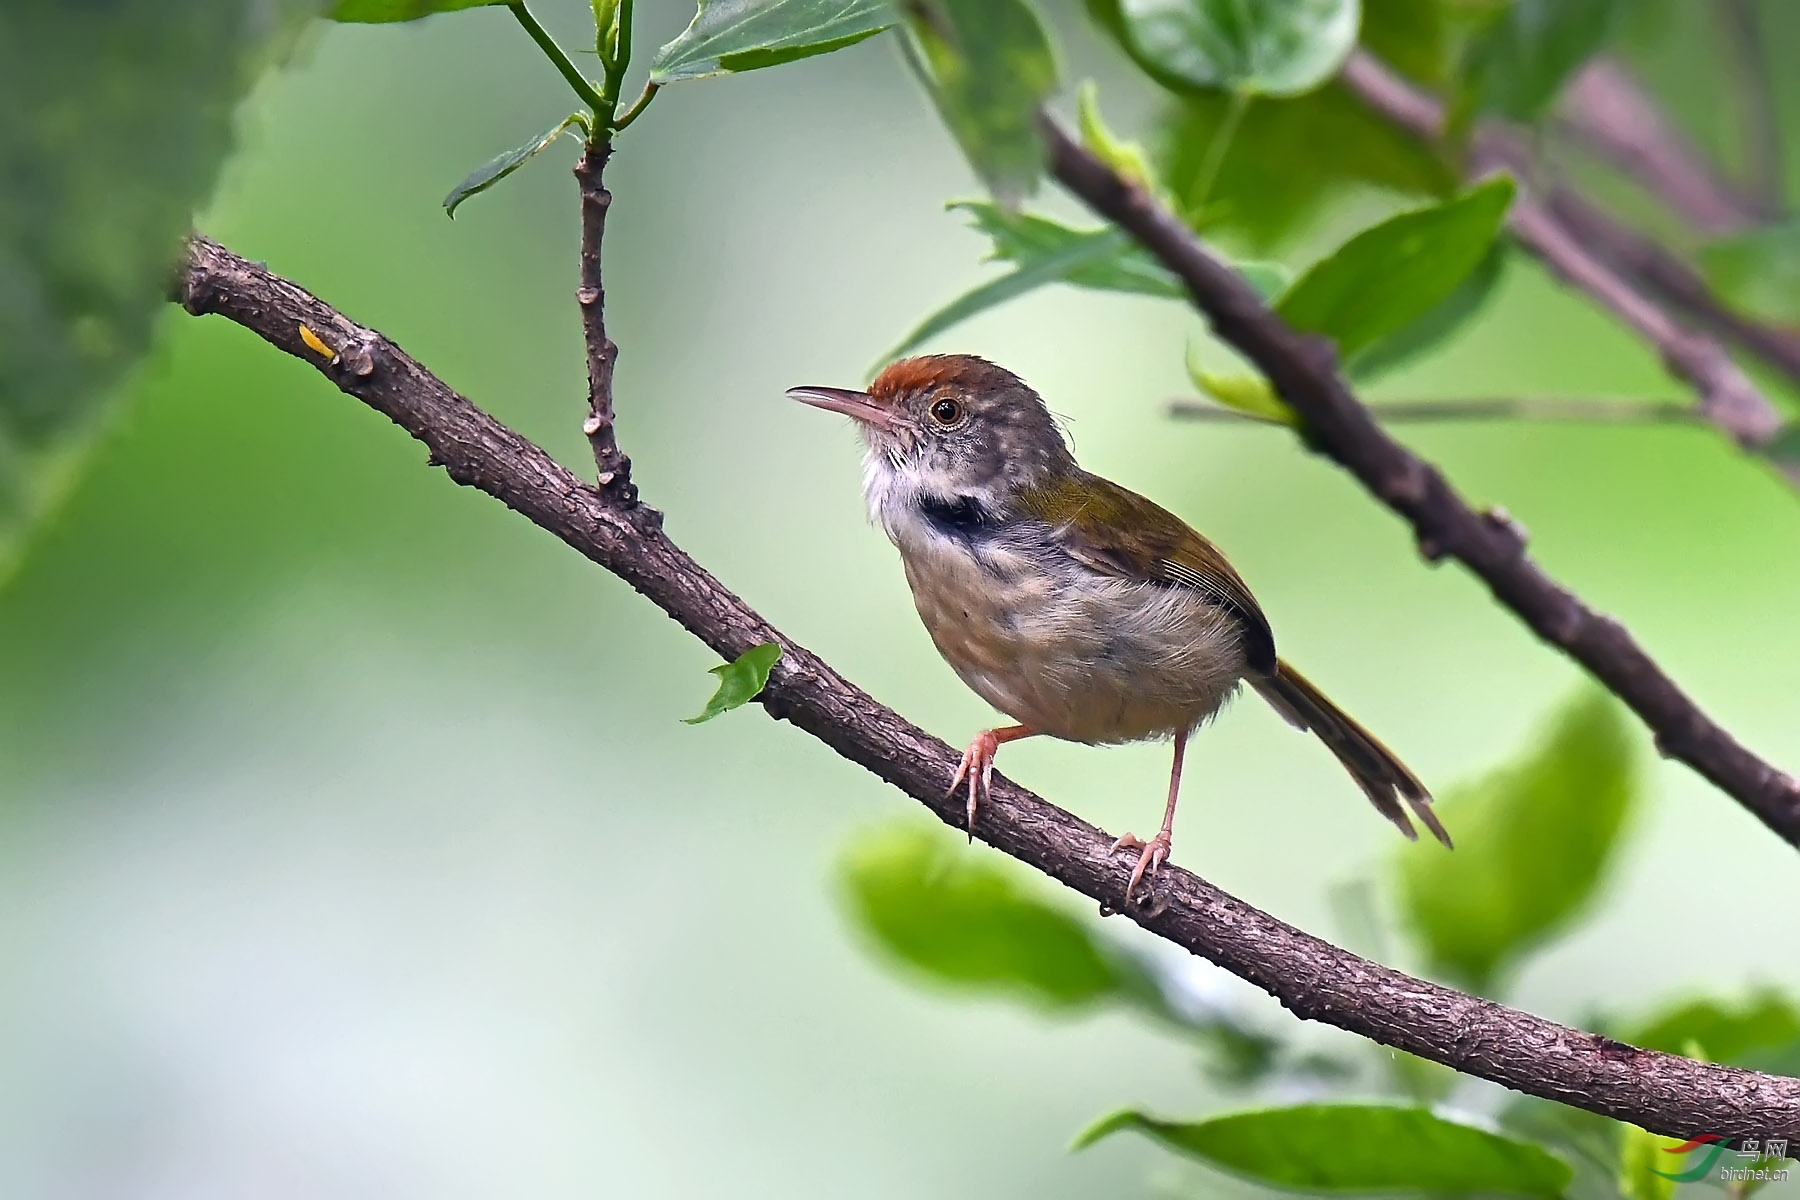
point(614, 468)
point(1314, 979)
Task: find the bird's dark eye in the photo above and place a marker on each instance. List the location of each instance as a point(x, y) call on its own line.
point(946, 412)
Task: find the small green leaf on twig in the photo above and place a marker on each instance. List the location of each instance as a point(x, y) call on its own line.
point(381, 12)
point(739, 681)
point(1317, 1148)
point(730, 36)
point(500, 166)
point(1128, 158)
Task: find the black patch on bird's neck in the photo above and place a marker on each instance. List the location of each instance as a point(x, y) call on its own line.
point(954, 516)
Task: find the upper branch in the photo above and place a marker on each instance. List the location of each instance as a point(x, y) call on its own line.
point(1303, 370)
point(1728, 398)
point(1317, 981)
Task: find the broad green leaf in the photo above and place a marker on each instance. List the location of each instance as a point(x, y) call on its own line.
point(988, 68)
point(728, 36)
point(1533, 842)
point(1391, 275)
point(1289, 160)
point(1647, 1165)
point(739, 681)
point(1758, 273)
point(1045, 252)
point(977, 923)
point(1738, 1034)
point(961, 919)
point(499, 167)
point(1353, 1148)
point(1436, 324)
point(117, 117)
point(377, 12)
point(1517, 65)
point(1252, 47)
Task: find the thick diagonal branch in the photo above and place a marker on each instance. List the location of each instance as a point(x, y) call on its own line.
point(1728, 399)
point(1303, 369)
point(1314, 979)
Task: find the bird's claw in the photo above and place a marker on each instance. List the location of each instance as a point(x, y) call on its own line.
point(1155, 854)
point(977, 767)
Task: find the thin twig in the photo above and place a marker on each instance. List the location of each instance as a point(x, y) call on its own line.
point(1574, 409)
point(1317, 981)
point(1606, 112)
point(1303, 370)
point(1728, 398)
point(614, 468)
point(1759, 116)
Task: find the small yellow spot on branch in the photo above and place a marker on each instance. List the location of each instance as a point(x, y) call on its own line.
point(317, 345)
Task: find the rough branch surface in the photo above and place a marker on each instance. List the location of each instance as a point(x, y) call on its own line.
point(1314, 979)
point(1303, 370)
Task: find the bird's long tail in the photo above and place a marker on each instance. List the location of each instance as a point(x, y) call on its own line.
point(1381, 775)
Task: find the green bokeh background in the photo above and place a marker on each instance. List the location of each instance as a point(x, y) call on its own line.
point(351, 843)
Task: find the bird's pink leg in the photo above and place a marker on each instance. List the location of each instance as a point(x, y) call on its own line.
point(1156, 850)
point(978, 764)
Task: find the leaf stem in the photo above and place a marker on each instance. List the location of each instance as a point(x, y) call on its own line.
point(1216, 149)
point(638, 106)
point(554, 52)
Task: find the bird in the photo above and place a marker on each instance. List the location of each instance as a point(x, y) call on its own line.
point(1079, 609)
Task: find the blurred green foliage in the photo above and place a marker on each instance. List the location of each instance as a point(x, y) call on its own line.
point(118, 121)
point(1534, 841)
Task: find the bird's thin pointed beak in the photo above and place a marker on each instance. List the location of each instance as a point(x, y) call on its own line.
point(860, 405)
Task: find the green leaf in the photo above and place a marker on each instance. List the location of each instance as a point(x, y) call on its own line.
point(1128, 158)
point(499, 167)
point(963, 920)
point(1046, 252)
point(1534, 840)
point(1248, 394)
point(1757, 273)
point(1644, 1157)
point(1352, 1148)
point(1738, 1034)
point(1289, 160)
point(1518, 63)
point(118, 116)
point(1436, 324)
point(739, 681)
point(1256, 48)
point(729, 36)
point(1390, 275)
point(988, 68)
point(378, 12)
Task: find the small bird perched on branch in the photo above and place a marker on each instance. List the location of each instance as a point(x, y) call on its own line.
point(1079, 609)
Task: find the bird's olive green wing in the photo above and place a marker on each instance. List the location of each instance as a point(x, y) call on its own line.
point(1118, 532)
